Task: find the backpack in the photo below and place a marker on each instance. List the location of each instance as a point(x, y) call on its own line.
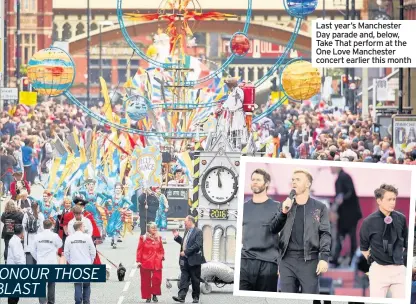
point(32, 223)
point(9, 227)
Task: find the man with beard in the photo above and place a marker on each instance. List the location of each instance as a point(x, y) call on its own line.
point(259, 256)
point(305, 238)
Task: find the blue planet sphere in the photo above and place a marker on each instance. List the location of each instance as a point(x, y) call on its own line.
point(300, 8)
point(137, 107)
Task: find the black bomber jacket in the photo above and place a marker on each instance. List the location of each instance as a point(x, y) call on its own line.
point(317, 234)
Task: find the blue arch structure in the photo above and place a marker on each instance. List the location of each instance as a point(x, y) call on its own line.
point(213, 74)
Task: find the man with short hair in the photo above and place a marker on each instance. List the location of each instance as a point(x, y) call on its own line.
point(259, 255)
point(80, 250)
point(383, 242)
point(90, 226)
point(15, 253)
point(305, 237)
point(78, 217)
point(190, 260)
point(45, 249)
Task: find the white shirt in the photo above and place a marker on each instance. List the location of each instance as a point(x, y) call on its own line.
point(235, 100)
point(87, 225)
point(30, 237)
point(45, 247)
point(15, 252)
point(79, 249)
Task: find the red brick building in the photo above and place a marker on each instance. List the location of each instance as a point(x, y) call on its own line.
point(36, 20)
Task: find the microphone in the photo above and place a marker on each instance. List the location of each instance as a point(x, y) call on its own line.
point(292, 195)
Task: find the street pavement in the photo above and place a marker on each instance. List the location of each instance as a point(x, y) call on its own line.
point(128, 291)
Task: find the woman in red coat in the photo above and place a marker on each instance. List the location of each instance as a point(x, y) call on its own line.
point(150, 254)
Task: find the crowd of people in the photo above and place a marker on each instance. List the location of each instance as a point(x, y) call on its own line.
point(26, 150)
point(291, 131)
point(26, 135)
point(32, 235)
point(323, 133)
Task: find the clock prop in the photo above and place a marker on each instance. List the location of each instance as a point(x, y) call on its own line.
point(219, 185)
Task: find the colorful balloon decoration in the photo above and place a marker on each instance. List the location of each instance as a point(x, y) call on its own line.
point(51, 71)
point(240, 44)
point(301, 81)
point(137, 107)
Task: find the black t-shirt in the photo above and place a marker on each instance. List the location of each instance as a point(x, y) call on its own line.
point(371, 238)
point(296, 244)
point(153, 205)
point(258, 242)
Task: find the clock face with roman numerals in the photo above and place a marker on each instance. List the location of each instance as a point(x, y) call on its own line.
point(219, 185)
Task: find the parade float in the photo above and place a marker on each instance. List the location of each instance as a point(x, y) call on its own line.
point(178, 113)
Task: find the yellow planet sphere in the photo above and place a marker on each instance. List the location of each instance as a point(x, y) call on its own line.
point(51, 71)
point(300, 80)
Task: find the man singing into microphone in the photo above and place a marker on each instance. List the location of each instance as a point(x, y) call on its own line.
point(259, 256)
point(305, 238)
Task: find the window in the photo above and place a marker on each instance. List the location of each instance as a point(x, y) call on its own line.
point(29, 46)
point(55, 34)
point(80, 29)
point(66, 32)
point(26, 55)
point(107, 63)
point(122, 75)
point(107, 75)
point(28, 6)
point(200, 38)
point(93, 27)
point(94, 75)
point(122, 62)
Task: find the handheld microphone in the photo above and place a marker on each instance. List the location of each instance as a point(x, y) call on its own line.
point(292, 195)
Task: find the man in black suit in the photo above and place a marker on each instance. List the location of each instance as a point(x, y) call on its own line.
point(190, 260)
point(349, 212)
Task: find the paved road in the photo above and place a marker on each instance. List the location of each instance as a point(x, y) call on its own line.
point(128, 292)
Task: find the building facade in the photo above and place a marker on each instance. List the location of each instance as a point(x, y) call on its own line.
point(36, 20)
point(117, 64)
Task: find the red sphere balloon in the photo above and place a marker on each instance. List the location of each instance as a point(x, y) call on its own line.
point(240, 44)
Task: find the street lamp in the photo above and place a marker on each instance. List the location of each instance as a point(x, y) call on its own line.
point(88, 52)
point(101, 24)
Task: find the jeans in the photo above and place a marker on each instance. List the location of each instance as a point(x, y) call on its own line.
point(7, 180)
point(6, 248)
point(82, 293)
point(29, 259)
point(50, 299)
point(413, 296)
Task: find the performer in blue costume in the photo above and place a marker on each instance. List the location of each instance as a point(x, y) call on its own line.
point(93, 205)
point(161, 214)
point(120, 215)
point(48, 207)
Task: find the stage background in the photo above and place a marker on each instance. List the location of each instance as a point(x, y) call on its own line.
point(323, 188)
point(365, 182)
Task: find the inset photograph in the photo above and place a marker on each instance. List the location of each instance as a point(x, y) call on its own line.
point(338, 231)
